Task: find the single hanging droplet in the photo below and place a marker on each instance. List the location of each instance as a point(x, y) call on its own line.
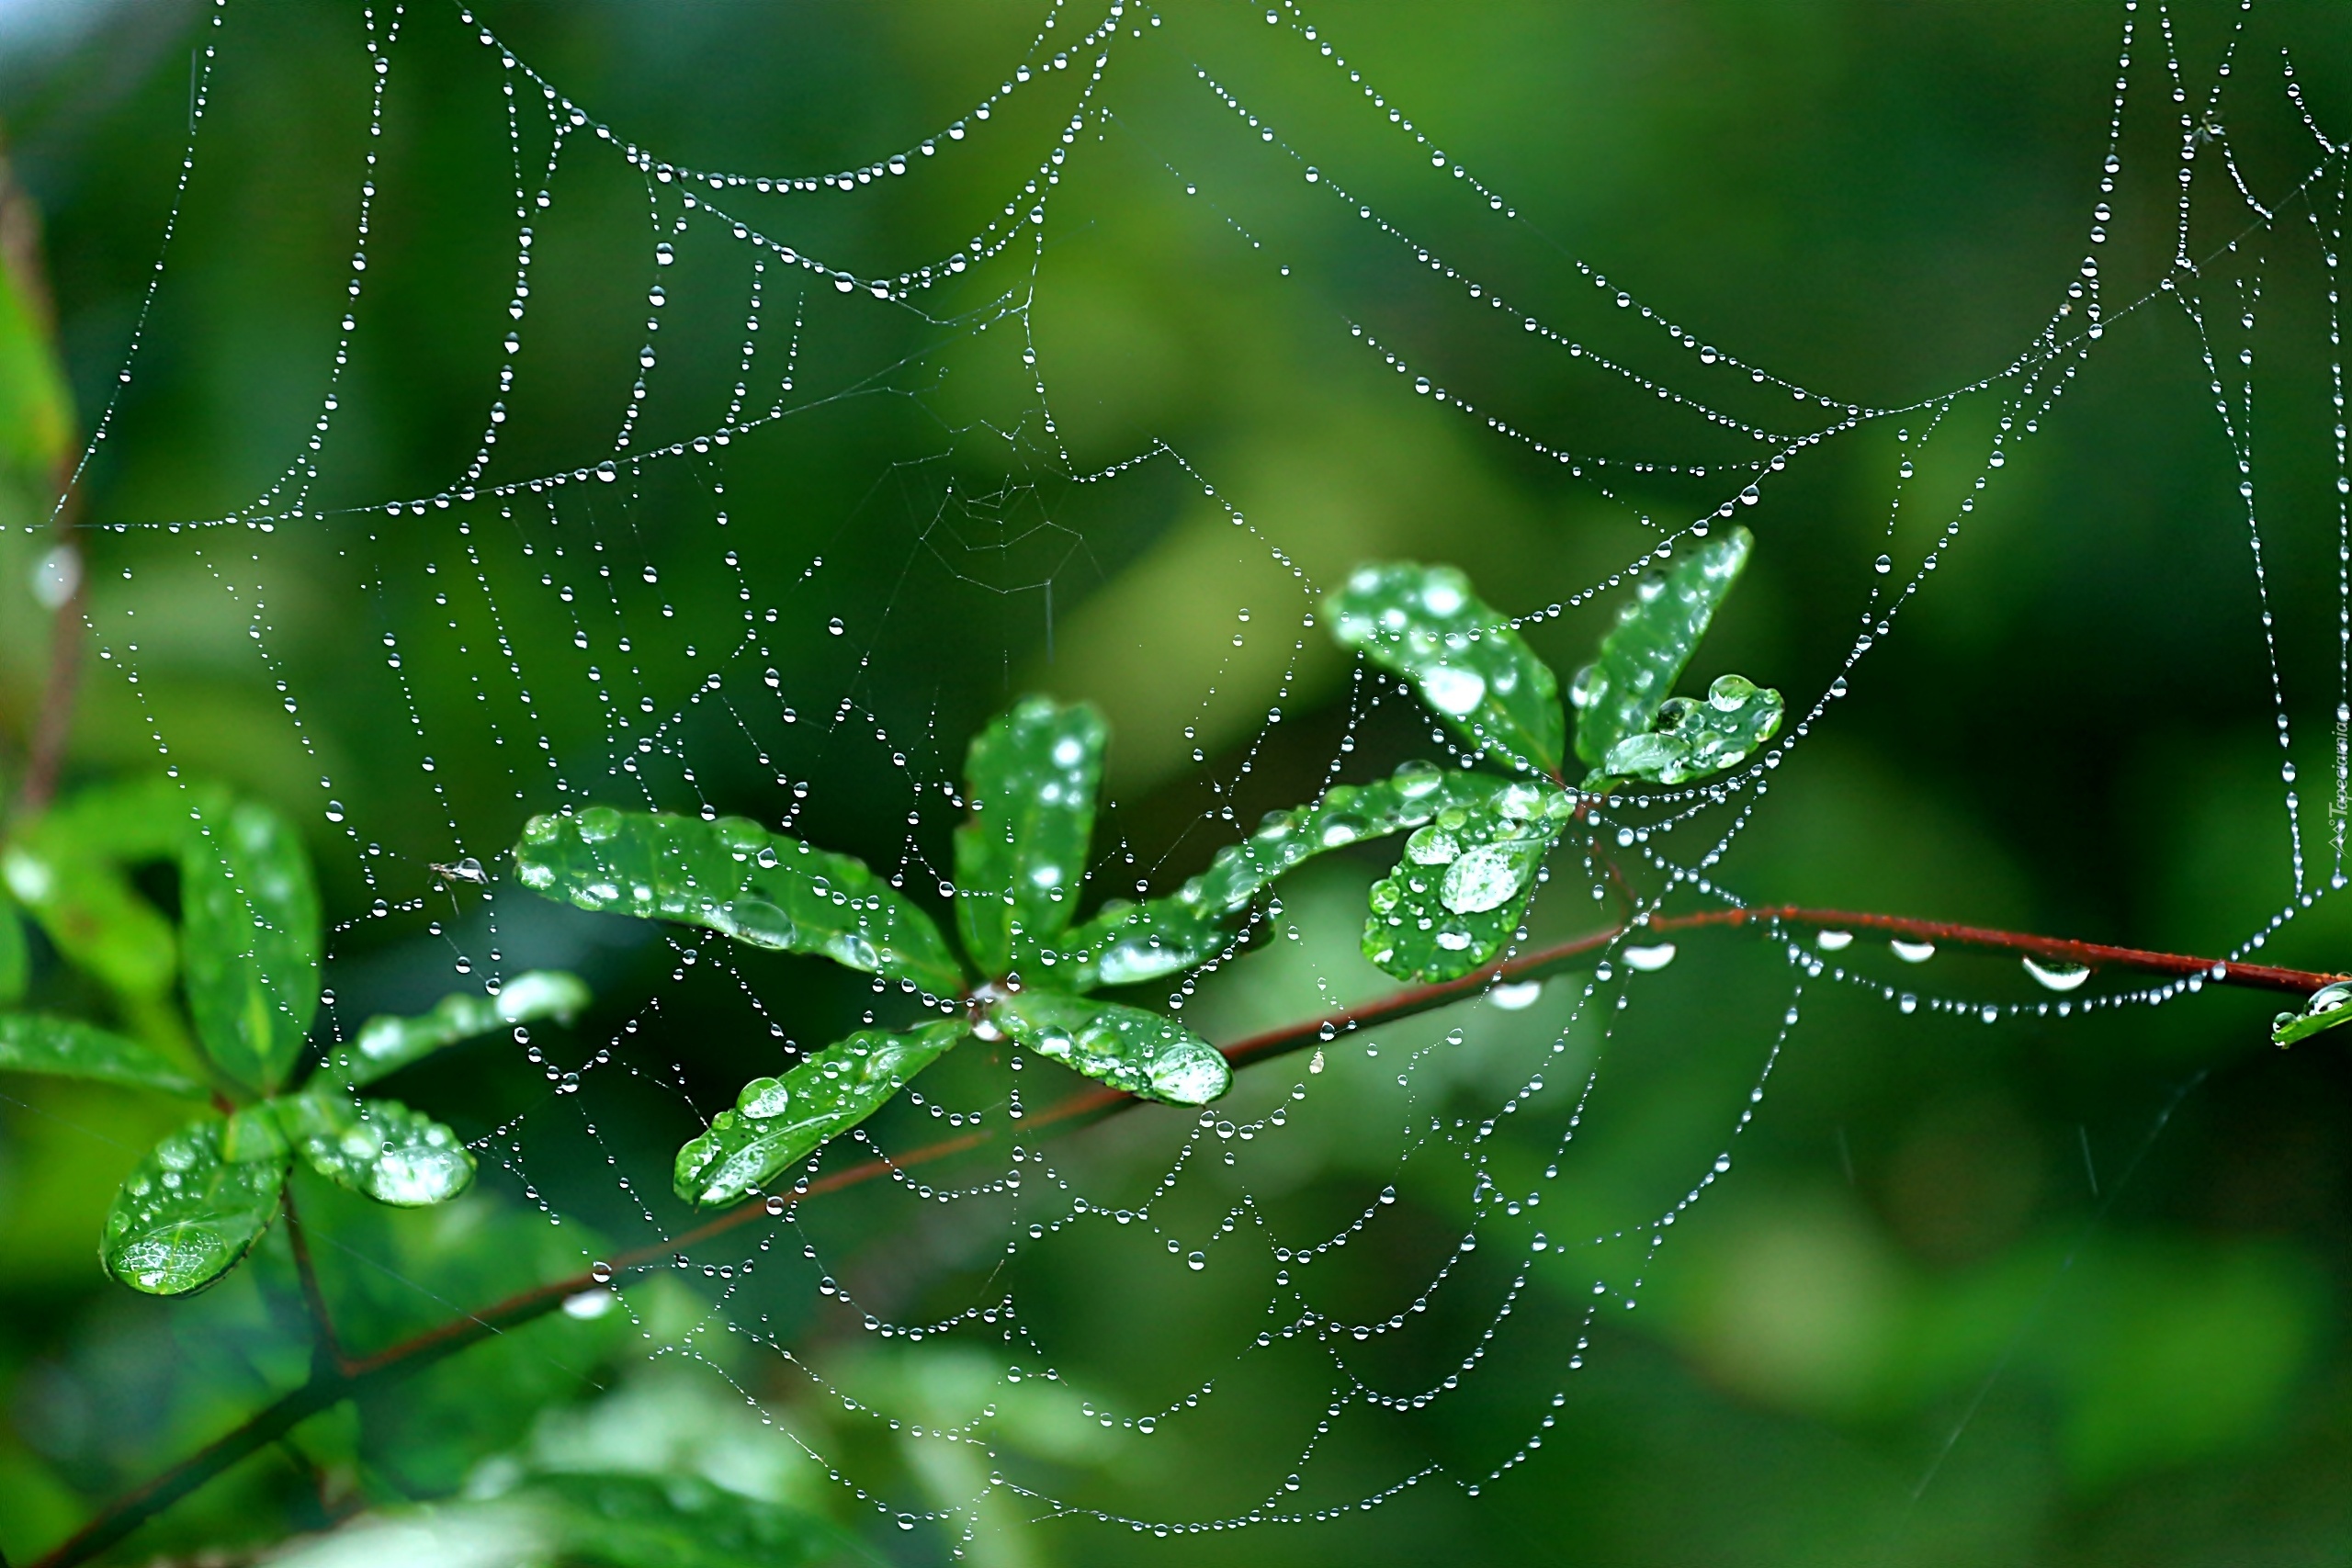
point(601, 1272)
point(2057, 977)
point(1884, 564)
point(1196, 1261)
point(1913, 952)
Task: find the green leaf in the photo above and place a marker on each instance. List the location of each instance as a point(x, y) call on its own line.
point(36, 409)
point(1656, 631)
point(1031, 778)
point(1461, 888)
point(16, 961)
point(250, 931)
point(675, 1521)
point(195, 1205)
point(2325, 1008)
point(1692, 736)
point(1424, 623)
point(379, 1147)
point(66, 1047)
point(779, 1121)
point(93, 916)
point(385, 1043)
point(735, 878)
point(1127, 943)
point(1138, 1052)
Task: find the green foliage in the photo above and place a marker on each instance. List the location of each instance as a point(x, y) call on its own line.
point(249, 932)
point(1020, 860)
point(385, 1044)
point(735, 878)
point(1139, 1053)
point(2325, 1008)
point(777, 1121)
point(1463, 887)
point(66, 1047)
point(192, 1209)
point(1470, 665)
point(35, 409)
point(1463, 884)
point(1030, 780)
point(378, 1148)
point(1619, 693)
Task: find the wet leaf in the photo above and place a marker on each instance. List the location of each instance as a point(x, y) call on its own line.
point(1693, 737)
point(379, 1147)
point(1618, 695)
point(1031, 778)
point(250, 933)
point(779, 1121)
point(195, 1205)
point(1461, 888)
point(1138, 1052)
point(1468, 662)
point(66, 1047)
point(2325, 1008)
point(735, 878)
point(385, 1043)
point(1127, 943)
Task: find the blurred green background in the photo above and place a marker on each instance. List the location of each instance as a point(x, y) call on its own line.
point(2049, 1292)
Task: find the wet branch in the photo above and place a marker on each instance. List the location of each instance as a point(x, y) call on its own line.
point(339, 1377)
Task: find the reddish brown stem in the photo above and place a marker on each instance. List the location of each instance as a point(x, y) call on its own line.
point(346, 1378)
point(330, 1350)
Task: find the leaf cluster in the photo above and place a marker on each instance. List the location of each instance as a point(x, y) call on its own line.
point(1027, 964)
point(244, 959)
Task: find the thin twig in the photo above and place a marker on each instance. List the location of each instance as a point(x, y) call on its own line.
point(329, 1349)
point(347, 1378)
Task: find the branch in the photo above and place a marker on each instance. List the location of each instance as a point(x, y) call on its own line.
point(346, 1378)
point(330, 1352)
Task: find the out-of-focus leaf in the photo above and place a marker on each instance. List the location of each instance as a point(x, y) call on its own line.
point(1130, 943)
point(1141, 1052)
point(2325, 1008)
point(646, 1521)
point(1470, 665)
point(385, 1043)
point(778, 1121)
point(1693, 737)
point(36, 409)
point(1462, 887)
point(604, 1521)
point(379, 1147)
point(97, 920)
point(65, 1046)
point(1031, 777)
point(1656, 631)
point(735, 878)
point(16, 962)
point(250, 931)
point(195, 1205)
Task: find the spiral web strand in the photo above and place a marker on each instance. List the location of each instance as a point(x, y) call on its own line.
point(551, 588)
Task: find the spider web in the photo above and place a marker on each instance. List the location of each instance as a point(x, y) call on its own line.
point(570, 570)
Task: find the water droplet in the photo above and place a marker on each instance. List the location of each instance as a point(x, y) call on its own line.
point(1196, 1261)
point(834, 626)
point(601, 1272)
point(775, 1205)
point(334, 811)
point(1834, 942)
point(1453, 936)
point(1913, 952)
point(1649, 959)
point(1908, 1002)
point(1516, 996)
point(1452, 690)
point(2057, 977)
point(1884, 564)
point(1432, 846)
point(1485, 878)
